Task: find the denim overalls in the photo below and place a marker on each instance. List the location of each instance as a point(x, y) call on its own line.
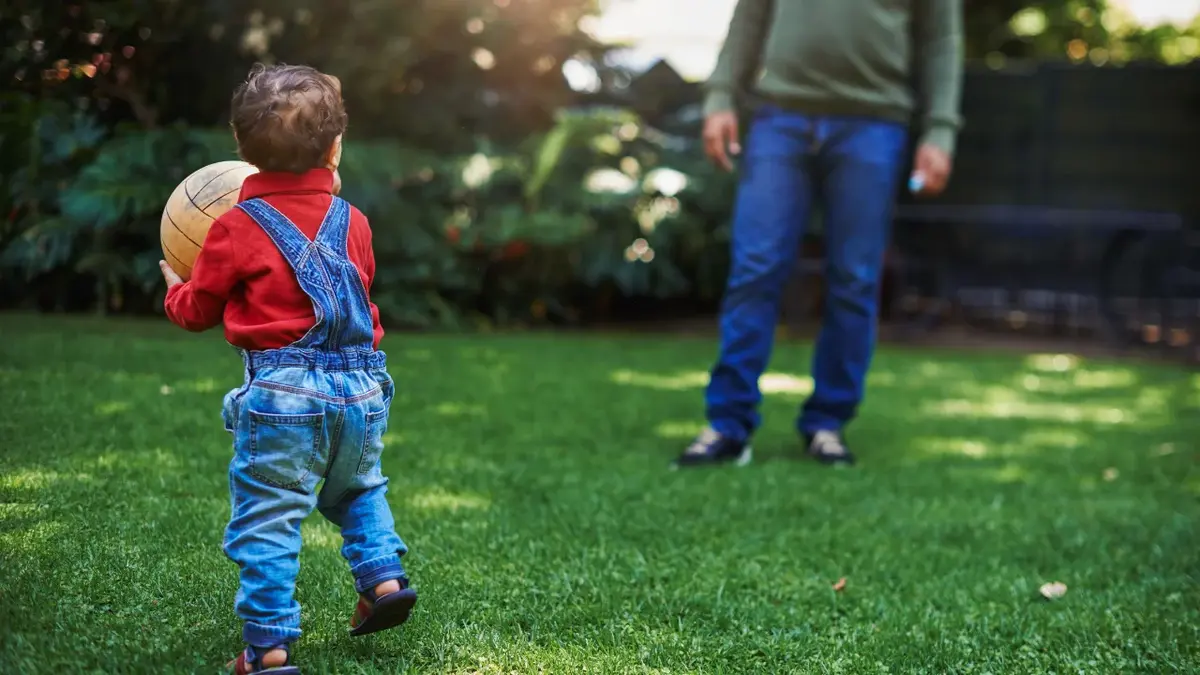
point(314, 410)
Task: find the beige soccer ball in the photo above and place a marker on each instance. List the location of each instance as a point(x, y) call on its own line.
point(200, 199)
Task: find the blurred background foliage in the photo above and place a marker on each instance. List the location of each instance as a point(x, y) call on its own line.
point(499, 194)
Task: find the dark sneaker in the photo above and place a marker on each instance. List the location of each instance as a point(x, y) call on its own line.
point(828, 447)
point(711, 448)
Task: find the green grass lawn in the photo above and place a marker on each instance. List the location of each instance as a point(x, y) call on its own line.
point(529, 477)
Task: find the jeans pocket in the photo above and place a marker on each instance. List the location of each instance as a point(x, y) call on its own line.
point(372, 450)
point(386, 384)
point(283, 448)
point(229, 409)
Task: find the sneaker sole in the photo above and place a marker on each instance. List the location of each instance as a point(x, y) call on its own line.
point(743, 458)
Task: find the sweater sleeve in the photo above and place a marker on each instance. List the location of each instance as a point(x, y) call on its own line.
point(369, 273)
point(938, 43)
point(364, 256)
point(739, 55)
point(199, 303)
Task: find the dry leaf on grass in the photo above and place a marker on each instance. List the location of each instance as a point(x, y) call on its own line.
point(840, 585)
point(1053, 590)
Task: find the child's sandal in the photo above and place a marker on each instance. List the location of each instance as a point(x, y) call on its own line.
point(374, 614)
point(247, 663)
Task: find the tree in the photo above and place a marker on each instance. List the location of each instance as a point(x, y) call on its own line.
point(430, 71)
point(1077, 30)
point(442, 75)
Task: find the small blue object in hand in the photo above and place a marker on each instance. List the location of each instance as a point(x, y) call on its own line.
point(915, 183)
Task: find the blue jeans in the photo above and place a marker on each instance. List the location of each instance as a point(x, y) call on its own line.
point(300, 417)
point(851, 167)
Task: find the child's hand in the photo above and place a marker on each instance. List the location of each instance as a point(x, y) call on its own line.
point(169, 274)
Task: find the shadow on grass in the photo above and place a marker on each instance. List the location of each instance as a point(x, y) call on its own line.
point(1054, 399)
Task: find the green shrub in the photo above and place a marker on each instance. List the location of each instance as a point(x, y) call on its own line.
point(461, 241)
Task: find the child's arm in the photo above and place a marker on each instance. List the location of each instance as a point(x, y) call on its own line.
point(369, 272)
point(364, 254)
point(199, 303)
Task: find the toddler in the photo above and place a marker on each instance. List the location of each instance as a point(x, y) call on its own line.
point(288, 272)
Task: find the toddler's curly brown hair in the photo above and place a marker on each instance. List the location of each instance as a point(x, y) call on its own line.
point(287, 118)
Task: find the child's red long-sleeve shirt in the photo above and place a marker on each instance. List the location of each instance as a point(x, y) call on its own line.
point(242, 280)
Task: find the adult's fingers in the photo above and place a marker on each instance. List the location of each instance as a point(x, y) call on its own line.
point(731, 138)
point(714, 147)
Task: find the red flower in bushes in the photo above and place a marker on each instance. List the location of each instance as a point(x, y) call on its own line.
point(514, 250)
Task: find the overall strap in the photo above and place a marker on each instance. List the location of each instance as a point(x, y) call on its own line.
point(288, 238)
point(335, 228)
point(326, 275)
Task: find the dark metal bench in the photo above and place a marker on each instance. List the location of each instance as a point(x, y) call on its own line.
point(1143, 256)
point(1038, 217)
point(1140, 277)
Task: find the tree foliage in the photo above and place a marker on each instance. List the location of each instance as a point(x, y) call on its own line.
point(430, 72)
point(1077, 30)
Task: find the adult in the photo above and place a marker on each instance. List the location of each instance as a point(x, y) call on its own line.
point(838, 84)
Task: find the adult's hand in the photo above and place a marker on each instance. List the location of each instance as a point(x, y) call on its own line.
point(933, 165)
point(721, 138)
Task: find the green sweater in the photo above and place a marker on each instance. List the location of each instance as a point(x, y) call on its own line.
point(879, 58)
